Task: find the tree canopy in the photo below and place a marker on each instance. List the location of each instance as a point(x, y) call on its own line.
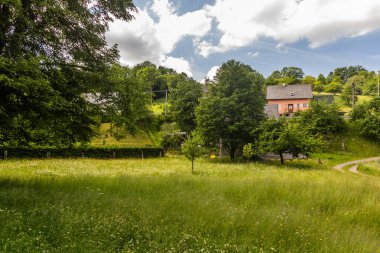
point(233, 108)
point(285, 136)
point(52, 53)
point(184, 100)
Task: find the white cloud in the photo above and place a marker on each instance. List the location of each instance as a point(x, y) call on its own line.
point(178, 64)
point(253, 54)
point(146, 39)
point(212, 72)
point(242, 22)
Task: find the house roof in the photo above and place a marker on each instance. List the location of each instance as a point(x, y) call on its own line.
point(290, 91)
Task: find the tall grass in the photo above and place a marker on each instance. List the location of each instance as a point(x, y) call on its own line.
point(157, 205)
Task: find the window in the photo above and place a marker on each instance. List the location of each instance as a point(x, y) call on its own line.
point(298, 105)
point(305, 105)
point(292, 93)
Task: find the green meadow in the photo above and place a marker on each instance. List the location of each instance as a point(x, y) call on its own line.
point(157, 205)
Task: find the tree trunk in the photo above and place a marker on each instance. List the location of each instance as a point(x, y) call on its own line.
point(282, 158)
point(232, 153)
point(192, 166)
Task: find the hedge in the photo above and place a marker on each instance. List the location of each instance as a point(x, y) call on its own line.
point(81, 152)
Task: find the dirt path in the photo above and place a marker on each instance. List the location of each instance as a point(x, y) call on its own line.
point(354, 168)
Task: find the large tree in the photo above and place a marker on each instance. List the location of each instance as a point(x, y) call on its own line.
point(286, 136)
point(322, 118)
point(184, 99)
point(288, 75)
point(233, 108)
point(52, 53)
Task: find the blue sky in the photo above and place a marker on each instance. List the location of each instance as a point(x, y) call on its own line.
point(197, 36)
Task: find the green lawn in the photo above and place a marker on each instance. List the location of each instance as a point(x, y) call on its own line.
point(157, 205)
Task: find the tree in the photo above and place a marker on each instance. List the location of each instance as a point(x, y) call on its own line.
point(124, 100)
point(52, 53)
point(295, 73)
point(318, 86)
point(248, 151)
point(288, 75)
point(282, 136)
point(64, 32)
point(344, 73)
point(321, 78)
point(335, 86)
point(366, 118)
point(192, 148)
point(322, 119)
point(346, 95)
point(233, 107)
point(309, 80)
point(184, 99)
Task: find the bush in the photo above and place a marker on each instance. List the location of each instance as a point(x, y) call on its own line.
point(82, 152)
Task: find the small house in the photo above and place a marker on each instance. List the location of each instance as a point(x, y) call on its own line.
point(289, 98)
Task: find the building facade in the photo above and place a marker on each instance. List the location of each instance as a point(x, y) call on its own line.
point(288, 99)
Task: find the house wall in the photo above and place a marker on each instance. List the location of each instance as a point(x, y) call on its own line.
point(283, 104)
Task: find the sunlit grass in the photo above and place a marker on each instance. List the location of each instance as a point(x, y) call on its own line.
point(372, 168)
point(105, 139)
point(157, 205)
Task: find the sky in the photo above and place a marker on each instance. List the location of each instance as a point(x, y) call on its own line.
point(196, 37)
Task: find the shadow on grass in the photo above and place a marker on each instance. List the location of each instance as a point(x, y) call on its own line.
point(308, 164)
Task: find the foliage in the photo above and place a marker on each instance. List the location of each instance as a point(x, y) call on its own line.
point(322, 79)
point(171, 141)
point(287, 75)
point(334, 87)
point(309, 80)
point(124, 100)
point(318, 86)
point(366, 117)
point(322, 118)
point(43, 106)
point(248, 151)
point(193, 148)
point(52, 53)
point(346, 95)
point(233, 108)
point(284, 136)
point(184, 99)
point(345, 73)
point(89, 152)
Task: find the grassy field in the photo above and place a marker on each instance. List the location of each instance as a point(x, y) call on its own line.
point(157, 205)
point(372, 168)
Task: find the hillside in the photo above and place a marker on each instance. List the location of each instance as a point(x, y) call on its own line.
point(126, 139)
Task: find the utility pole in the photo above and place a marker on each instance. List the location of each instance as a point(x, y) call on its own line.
point(353, 95)
point(166, 102)
point(378, 87)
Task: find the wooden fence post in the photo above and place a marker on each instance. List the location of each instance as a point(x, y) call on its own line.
point(142, 154)
point(48, 154)
point(5, 154)
point(113, 154)
point(82, 154)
